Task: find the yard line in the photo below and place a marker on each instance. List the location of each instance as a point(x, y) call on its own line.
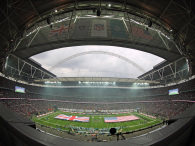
point(98, 123)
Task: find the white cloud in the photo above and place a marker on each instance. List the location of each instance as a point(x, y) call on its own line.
point(94, 64)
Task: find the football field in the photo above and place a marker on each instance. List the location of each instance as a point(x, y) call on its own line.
point(96, 121)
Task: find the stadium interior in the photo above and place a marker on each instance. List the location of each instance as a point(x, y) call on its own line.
point(155, 108)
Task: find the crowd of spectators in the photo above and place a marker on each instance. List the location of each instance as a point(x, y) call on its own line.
point(22, 104)
point(154, 101)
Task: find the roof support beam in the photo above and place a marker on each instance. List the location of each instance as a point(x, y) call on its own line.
point(4, 37)
point(190, 42)
point(178, 47)
point(34, 8)
point(186, 24)
point(28, 45)
point(165, 9)
point(175, 2)
point(162, 70)
point(9, 19)
point(13, 72)
point(11, 12)
point(34, 73)
point(166, 44)
point(22, 68)
point(32, 67)
point(70, 27)
point(17, 44)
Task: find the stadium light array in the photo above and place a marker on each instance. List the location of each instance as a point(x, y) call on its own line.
point(105, 83)
point(188, 65)
point(48, 82)
point(141, 83)
point(6, 61)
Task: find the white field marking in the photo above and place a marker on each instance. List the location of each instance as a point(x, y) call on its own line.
point(106, 127)
point(146, 117)
point(91, 127)
point(49, 122)
point(46, 115)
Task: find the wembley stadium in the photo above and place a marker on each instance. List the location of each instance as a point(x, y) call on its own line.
point(117, 72)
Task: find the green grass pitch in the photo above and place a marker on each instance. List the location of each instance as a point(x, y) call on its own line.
point(96, 121)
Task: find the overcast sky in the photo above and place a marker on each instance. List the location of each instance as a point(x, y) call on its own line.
point(100, 65)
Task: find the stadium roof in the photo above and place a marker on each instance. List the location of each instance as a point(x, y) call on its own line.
point(167, 72)
point(26, 26)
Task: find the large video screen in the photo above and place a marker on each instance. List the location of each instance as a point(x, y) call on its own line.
point(19, 89)
point(174, 91)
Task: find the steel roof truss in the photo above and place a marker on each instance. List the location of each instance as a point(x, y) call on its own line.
point(31, 40)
